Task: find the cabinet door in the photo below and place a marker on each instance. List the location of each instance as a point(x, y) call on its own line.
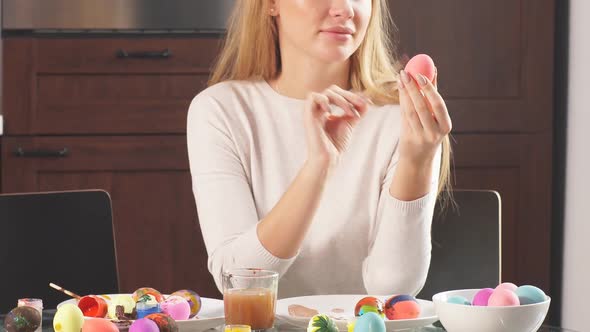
point(158, 239)
point(102, 85)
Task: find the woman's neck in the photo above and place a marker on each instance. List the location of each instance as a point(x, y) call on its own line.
point(300, 76)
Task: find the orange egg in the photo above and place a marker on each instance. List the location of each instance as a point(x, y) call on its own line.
point(99, 325)
point(421, 64)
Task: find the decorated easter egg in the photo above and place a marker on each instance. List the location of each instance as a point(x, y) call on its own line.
point(507, 285)
point(144, 325)
point(165, 323)
point(421, 64)
point(142, 292)
point(503, 297)
point(176, 307)
point(125, 301)
point(321, 323)
point(68, 318)
point(369, 322)
point(99, 325)
point(528, 294)
point(482, 297)
point(369, 304)
point(458, 300)
point(22, 319)
point(194, 300)
point(402, 307)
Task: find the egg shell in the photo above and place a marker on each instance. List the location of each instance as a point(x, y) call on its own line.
point(507, 285)
point(421, 64)
point(503, 298)
point(528, 294)
point(402, 307)
point(22, 319)
point(68, 318)
point(176, 307)
point(99, 325)
point(482, 297)
point(369, 322)
point(458, 300)
point(124, 300)
point(165, 323)
point(141, 292)
point(194, 300)
point(144, 325)
point(321, 323)
point(369, 304)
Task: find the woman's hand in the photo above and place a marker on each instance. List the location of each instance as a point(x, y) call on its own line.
point(328, 134)
point(426, 120)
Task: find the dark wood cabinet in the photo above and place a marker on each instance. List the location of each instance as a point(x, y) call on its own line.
point(110, 113)
point(158, 239)
point(495, 65)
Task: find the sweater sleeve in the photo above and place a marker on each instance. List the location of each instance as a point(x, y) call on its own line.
point(399, 255)
point(226, 208)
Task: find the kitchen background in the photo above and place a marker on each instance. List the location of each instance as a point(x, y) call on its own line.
point(94, 95)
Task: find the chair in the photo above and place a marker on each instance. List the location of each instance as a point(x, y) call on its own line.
point(466, 244)
point(60, 237)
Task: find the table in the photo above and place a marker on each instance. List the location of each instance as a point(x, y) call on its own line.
point(48, 326)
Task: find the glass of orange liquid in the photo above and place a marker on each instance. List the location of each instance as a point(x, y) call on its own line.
point(249, 297)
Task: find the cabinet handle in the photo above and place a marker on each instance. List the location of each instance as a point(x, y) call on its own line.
point(165, 54)
point(41, 153)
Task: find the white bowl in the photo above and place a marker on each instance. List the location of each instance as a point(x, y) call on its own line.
point(464, 318)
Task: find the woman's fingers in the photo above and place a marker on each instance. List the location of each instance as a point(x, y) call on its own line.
point(439, 108)
point(359, 103)
point(341, 102)
point(408, 108)
point(419, 101)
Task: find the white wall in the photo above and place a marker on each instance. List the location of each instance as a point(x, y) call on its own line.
point(576, 279)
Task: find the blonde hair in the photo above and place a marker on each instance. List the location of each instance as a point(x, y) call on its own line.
point(374, 67)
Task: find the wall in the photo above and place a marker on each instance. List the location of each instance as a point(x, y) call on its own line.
point(577, 202)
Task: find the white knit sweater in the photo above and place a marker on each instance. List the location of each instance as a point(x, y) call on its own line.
point(246, 144)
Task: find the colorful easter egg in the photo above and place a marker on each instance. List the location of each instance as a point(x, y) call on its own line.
point(321, 323)
point(458, 300)
point(141, 292)
point(176, 307)
point(507, 285)
point(165, 323)
point(528, 294)
point(123, 300)
point(68, 318)
point(369, 304)
point(194, 300)
point(369, 322)
point(22, 319)
point(402, 307)
point(421, 64)
point(99, 325)
point(482, 297)
point(144, 325)
point(502, 298)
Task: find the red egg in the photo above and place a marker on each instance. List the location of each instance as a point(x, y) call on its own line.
point(402, 307)
point(99, 325)
point(421, 64)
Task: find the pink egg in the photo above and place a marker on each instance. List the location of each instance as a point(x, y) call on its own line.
point(502, 298)
point(482, 297)
point(507, 285)
point(99, 325)
point(176, 307)
point(144, 325)
point(421, 64)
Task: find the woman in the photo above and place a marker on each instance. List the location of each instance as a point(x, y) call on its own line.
point(309, 159)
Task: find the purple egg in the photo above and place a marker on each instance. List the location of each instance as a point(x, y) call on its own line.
point(144, 325)
point(482, 297)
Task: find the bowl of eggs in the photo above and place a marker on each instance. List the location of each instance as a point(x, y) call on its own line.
point(506, 308)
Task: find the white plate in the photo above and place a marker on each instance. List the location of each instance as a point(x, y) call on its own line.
point(210, 316)
point(325, 304)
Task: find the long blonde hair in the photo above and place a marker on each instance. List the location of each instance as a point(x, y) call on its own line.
point(374, 67)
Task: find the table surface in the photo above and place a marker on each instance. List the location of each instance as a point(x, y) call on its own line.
point(48, 326)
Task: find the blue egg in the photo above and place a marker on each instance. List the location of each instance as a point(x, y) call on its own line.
point(530, 294)
point(458, 300)
point(369, 322)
